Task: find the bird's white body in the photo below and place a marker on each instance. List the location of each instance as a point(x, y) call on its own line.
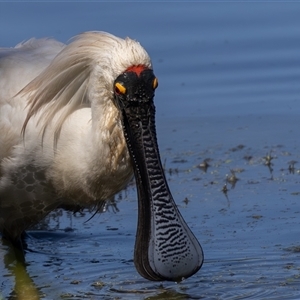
point(76, 122)
point(89, 162)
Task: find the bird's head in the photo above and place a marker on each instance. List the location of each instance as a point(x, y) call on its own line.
point(136, 85)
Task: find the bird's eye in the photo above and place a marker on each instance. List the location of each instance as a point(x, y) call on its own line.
point(155, 83)
point(120, 89)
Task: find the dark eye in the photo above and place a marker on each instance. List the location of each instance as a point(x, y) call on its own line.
point(120, 89)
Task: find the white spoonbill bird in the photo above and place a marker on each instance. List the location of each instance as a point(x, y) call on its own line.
point(76, 122)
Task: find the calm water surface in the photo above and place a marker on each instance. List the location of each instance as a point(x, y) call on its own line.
point(229, 91)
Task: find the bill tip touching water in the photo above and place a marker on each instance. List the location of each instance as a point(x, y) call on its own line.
point(87, 117)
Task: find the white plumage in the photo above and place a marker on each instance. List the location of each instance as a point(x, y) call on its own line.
point(62, 140)
point(74, 81)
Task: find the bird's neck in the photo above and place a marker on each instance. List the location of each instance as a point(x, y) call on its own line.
point(109, 160)
point(107, 134)
point(92, 161)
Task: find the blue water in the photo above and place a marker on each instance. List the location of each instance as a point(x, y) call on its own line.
point(229, 75)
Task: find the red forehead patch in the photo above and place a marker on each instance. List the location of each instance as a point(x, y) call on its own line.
point(136, 69)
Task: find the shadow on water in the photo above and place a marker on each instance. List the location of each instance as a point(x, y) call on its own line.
point(15, 264)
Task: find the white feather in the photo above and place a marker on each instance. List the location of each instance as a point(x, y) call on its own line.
point(62, 98)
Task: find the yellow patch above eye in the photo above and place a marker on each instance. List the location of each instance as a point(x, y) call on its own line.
point(155, 83)
point(120, 89)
